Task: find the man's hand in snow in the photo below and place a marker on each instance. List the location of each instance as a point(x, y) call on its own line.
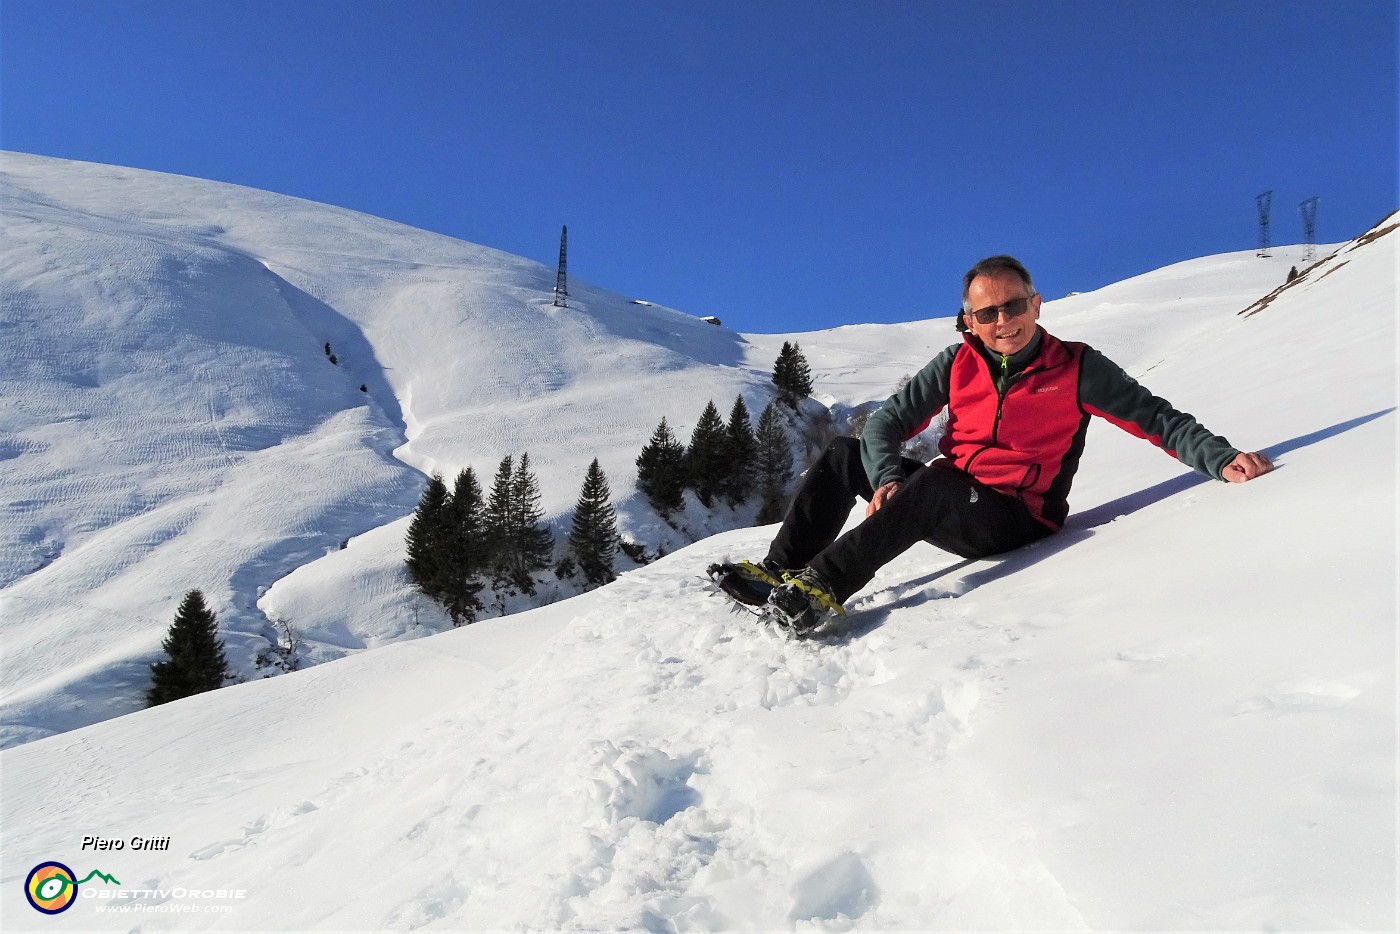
point(1246, 467)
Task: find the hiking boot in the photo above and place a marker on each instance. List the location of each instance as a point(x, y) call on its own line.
point(746, 582)
point(802, 603)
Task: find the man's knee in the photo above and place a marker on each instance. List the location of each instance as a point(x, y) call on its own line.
point(842, 458)
point(843, 448)
point(838, 471)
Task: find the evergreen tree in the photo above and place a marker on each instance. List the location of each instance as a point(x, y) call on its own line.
point(782, 367)
point(705, 458)
point(534, 542)
point(772, 464)
point(427, 540)
point(500, 523)
point(593, 536)
point(740, 449)
point(791, 374)
point(517, 544)
point(195, 656)
point(801, 372)
point(661, 471)
point(465, 552)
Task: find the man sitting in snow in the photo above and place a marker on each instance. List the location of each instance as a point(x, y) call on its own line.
point(1018, 402)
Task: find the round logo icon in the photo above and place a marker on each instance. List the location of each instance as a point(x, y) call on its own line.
point(51, 888)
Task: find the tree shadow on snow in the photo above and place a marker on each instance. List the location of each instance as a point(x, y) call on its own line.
point(966, 575)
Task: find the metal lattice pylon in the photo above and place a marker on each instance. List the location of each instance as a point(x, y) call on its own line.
point(561, 282)
point(1264, 202)
point(1308, 209)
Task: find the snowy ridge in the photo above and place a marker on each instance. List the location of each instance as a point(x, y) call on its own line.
point(1177, 714)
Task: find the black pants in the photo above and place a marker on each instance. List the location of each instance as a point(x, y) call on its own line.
point(937, 504)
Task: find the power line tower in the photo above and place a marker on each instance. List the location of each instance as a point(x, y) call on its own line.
point(1264, 202)
point(561, 282)
point(1308, 209)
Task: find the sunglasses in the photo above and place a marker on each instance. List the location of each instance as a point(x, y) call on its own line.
point(1013, 309)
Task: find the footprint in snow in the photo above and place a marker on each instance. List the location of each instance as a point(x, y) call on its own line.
point(1300, 697)
point(842, 887)
point(255, 828)
point(643, 782)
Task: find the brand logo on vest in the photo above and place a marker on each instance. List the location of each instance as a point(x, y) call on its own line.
point(1036, 389)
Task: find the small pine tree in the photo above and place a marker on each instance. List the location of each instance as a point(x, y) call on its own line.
point(791, 374)
point(464, 555)
point(705, 467)
point(801, 372)
point(194, 660)
point(516, 544)
point(772, 464)
point(534, 542)
point(661, 471)
point(593, 537)
point(500, 522)
point(740, 449)
point(427, 534)
point(782, 368)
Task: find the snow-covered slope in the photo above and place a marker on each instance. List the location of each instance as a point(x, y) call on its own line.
point(171, 418)
point(1177, 714)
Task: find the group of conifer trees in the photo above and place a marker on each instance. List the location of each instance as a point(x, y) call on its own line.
point(459, 540)
point(732, 461)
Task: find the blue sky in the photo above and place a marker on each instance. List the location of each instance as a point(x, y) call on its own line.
point(786, 166)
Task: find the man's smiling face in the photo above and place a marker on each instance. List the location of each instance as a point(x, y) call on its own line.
point(1006, 334)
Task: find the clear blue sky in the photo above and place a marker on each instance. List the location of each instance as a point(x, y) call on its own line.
point(784, 165)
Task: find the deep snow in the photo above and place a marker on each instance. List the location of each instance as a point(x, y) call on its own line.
point(1178, 714)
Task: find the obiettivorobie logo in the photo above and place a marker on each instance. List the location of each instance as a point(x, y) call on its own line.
point(52, 887)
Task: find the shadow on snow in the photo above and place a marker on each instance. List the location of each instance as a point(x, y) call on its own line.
point(1079, 527)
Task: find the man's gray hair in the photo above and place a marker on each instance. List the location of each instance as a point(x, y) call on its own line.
point(992, 266)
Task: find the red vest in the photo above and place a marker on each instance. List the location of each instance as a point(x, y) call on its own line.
point(1026, 440)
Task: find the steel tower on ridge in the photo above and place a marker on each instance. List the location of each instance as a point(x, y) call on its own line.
point(1308, 209)
point(1264, 202)
point(561, 283)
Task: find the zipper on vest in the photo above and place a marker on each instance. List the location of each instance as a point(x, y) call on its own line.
point(1002, 384)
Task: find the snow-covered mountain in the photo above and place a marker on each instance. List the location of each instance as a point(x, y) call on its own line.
point(172, 419)
point(1177, 714)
